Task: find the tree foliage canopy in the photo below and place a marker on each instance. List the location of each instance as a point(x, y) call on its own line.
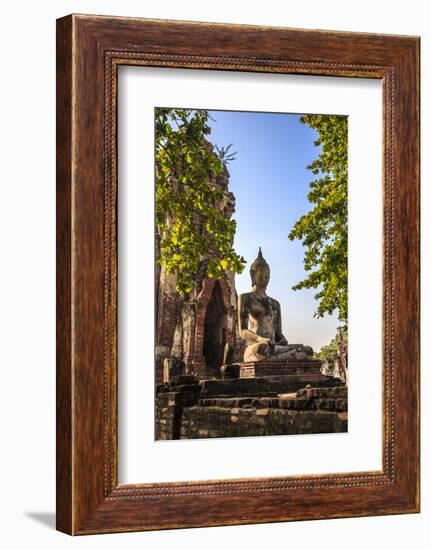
point(193, 229)
point(323, 230)
point(330, 351)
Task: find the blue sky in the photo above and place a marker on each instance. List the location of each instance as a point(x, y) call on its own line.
point(270, 182)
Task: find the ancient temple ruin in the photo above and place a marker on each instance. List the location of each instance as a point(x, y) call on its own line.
point(196, 329)
point(223, 365)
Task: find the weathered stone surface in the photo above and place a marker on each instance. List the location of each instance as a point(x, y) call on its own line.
point(172, 367)
point(182, 380)
point(238, 387)
point(289, 384)
point(258, 422)
point(341, 404)
point(337, 391)
point(230, 370)
point(289, 377)
point(287, 368)
point(188, 412)
point(170, 405)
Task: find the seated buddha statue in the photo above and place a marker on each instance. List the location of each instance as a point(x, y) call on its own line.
point(259, 318)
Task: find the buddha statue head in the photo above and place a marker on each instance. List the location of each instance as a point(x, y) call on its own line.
point(259, 271)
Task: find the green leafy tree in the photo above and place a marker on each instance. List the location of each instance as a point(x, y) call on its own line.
point(193, 227)
point(330, 351)
point(323, 230)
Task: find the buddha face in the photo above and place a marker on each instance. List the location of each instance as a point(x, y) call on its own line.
point(261, 276)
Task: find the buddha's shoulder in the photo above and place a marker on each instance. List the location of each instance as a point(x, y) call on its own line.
point(274, 302)
point(245, 296)
point(251, 296)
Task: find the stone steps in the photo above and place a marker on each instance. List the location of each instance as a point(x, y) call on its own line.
point(265, 386)
point(295, 382)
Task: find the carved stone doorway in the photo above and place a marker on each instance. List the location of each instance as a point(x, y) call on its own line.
point(214, 333)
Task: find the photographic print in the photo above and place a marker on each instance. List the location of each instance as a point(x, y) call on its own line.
point(251, 257)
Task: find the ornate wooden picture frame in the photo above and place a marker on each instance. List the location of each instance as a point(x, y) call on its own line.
point(89, 51)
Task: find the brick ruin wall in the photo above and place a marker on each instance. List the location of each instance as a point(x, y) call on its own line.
point(186, 413)
point(182, 321)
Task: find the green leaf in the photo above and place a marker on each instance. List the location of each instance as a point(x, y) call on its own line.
point(323, 230)
point(201, 234)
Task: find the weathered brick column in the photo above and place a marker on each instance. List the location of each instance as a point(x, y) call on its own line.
point(171, 399)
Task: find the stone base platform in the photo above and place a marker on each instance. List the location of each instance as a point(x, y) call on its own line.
point(265, 385)
point(188, 409)
point(258, 369)
point(287, 377)
point(236, 387)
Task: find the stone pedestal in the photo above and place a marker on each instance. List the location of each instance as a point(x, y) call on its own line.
point(284, 377)
point(272, 368)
